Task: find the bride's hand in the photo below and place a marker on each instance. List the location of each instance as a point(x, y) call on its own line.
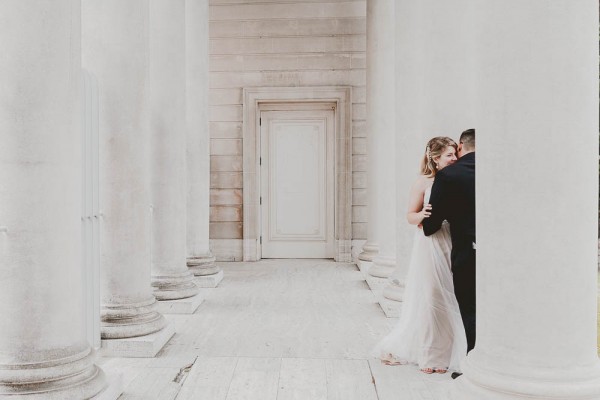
point(426, 211)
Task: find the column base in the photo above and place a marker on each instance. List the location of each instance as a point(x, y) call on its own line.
point(203, 265)
point(143, 347)
point(174, 286)
point(209, 281)
point(180, 306)
point(369, 251)
point(391, 308)
point(70, 375)
point(120, 321)
point(391, 298)
point(394, 290)
point(376, 284)
point(568, 383)
point(364, 266)
point(382, 267)
point(114, 390)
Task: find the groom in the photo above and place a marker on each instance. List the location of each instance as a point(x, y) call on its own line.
point(453, 199)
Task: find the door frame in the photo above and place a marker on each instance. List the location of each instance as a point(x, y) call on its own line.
point(341, 100)
point(315, 113)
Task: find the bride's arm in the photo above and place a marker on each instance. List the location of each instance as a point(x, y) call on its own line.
point(416, 210)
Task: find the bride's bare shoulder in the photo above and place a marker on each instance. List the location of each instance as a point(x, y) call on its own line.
point(423, 182)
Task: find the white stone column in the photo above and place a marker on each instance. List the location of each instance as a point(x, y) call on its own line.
point(537, 201)
point(381, 185)
point(433, 98)
point(200, 259)
point(171, 277)
point(115, 50)
point(43, 349)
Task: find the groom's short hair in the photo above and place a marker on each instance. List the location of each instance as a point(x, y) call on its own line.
point(467, 138)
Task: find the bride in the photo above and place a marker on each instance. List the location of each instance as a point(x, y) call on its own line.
point(430, 331)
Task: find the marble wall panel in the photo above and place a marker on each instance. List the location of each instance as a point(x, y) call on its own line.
point(291, 62)
point(300, 10)
point(359, 128)
point(220, 29)
point(222, 2)
point(359, 230)
point(227, 249)
point(226, 62)
point(226, 147)
point(218, 97)
point(226, 213)
point(359, 146)
point(226, 180)
point(225, 163)
point(359, 111)
point(222, 129)
point(225, 113)
point(354, 77)
point(359, 162)
point(359, 197)
point(288, 27)
point(241, 46)
point(359, 180)
point(359, 93)
point(225, 197)
point(225, 230)
point(359, 214)
point(229, 80)
point(282, 45)
point(359, 60)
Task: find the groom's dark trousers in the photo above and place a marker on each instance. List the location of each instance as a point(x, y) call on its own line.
point(453, 199)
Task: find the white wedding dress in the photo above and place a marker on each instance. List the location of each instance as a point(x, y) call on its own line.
point(430, 331)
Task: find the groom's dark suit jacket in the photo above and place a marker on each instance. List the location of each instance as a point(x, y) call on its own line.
point(453, 199)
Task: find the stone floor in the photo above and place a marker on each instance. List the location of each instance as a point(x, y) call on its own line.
point(278, 330)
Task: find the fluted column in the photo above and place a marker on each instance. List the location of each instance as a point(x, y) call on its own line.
point(381, 184)
point(43, 349)
point(171, 278)
point(433, 98)
point(536, 212)
point(200, 259)
point(115, 50)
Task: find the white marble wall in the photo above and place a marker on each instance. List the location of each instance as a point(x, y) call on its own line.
point(301, 43)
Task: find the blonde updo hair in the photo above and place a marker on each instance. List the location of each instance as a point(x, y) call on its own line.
point(435, 148)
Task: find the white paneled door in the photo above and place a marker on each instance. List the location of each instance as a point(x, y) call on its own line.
point(297, 183)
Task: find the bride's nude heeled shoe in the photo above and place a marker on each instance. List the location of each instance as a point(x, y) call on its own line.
point(391, 360)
